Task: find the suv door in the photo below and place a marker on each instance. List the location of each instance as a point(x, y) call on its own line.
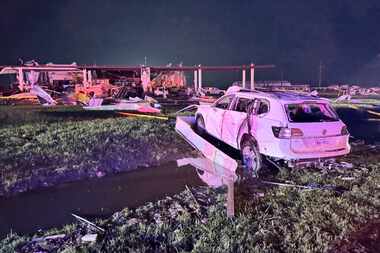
point(262, 125)
point(233, 120)
point(215, 115)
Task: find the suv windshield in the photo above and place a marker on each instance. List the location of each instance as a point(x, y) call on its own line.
point(310, 112)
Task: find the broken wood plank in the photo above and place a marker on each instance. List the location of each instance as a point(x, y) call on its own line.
point(230, 199)
point(88, 222)
point(193, 197)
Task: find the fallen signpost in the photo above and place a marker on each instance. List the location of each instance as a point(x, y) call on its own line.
point(215, 162)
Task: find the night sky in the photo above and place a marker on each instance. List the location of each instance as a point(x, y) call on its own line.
point(294, 35)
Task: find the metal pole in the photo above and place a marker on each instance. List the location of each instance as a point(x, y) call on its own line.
point(89, 75)
point(84, 71)
point(243, 77)
point(20, 78)
point(200, 78)
point(320, 74)
point(252, 67)
point(195, 81)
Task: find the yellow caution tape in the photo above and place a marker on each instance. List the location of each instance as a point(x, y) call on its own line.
point(369, 111)
point(19, 98)
point(143, 115)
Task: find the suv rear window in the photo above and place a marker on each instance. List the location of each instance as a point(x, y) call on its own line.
point(310, 112)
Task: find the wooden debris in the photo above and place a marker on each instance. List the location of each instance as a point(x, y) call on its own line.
point(347, 178)
point(89, 238)
point(51, 237)
point(193, 197)
point(286, 185)
point(88, 222)
point(230, 199)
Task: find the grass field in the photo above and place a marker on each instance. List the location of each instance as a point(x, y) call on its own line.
point(42, 147)
point(285, 219)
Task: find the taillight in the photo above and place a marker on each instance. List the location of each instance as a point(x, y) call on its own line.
point(344, 131)
point(286, 133)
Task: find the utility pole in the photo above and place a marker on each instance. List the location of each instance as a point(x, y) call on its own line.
point(320, 74)
point(144, 60)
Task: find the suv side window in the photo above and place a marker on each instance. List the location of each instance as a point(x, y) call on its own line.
point(242, 104)
point(224, 102)
point(263, 107)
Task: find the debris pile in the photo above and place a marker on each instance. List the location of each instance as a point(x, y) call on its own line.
point(80, 235)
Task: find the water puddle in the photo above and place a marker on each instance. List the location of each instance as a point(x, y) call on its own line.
point(51, 207)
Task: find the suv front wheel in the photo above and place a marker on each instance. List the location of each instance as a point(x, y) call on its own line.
point(250, 156)
point(200, 125)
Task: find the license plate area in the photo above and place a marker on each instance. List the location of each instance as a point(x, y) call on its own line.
point(317, 144)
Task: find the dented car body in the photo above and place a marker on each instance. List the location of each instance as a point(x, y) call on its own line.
point(295, 128)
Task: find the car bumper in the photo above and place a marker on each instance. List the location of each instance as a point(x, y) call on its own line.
point(283, 149)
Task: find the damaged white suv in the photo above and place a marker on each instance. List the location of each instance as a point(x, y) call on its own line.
point(283, 126)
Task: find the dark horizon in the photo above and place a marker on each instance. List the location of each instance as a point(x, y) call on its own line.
point(295, 36)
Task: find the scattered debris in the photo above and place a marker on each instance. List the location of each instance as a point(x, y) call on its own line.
point(123, 105)
point(346, 178)
point(310, 186)
point(192, 196)
point(346, 165)
point(88, 222)
point(44, 98)
point(51, 237)
point(89, 238)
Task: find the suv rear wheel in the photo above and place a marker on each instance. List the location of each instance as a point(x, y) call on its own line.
point(250, 156)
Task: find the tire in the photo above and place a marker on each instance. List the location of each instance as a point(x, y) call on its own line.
point(250, 157)
point(200, 125)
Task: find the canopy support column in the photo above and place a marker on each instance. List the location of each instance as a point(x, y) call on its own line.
point(252, 68)
point(200, 78)
point(195, 81)
point(243, 77)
